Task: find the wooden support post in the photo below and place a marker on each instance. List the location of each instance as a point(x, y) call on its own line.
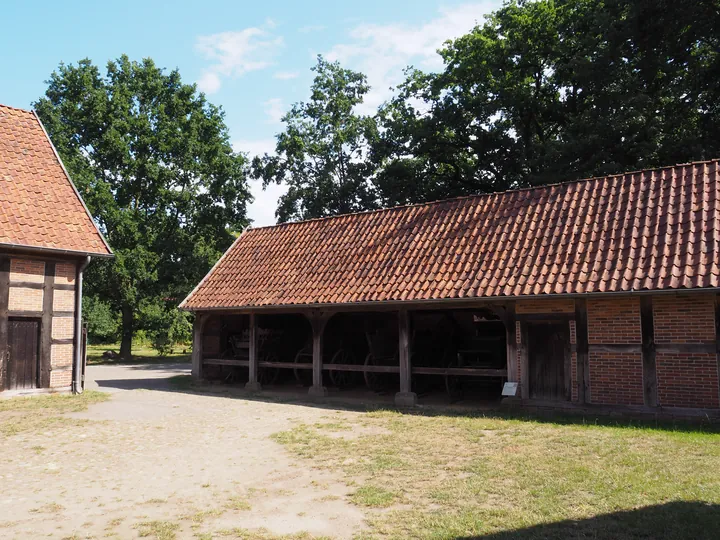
point(318, 320)
point(46, 326)
point(4, 298)
point(197, 347)
point(647, 327)
point(582, 352)
point(524, 364)
point(405, 397)
point(253, 385)
point(511, 342)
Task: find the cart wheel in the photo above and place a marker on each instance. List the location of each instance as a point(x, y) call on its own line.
point(343, 379)
point(453, 383)
point(303, 376)
point(374, 381)
point(268, 375)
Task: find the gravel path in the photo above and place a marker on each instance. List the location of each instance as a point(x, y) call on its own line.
point(154, 454)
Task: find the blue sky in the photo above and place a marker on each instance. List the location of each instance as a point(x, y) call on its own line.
point(252, 58)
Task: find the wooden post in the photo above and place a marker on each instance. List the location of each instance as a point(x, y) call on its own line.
point(4, 298)
point(581, 348)
point(717, 335)
point(253, 385)
point(511, 342)
point(524, 364)
point(46, 325)
point(405, 397)
point(197, 346)
point(647, 327)
point(318, 320)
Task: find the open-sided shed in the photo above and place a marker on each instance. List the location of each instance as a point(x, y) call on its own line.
point(599, 291)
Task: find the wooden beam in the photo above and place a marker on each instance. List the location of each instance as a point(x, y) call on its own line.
point(647, 328)
point(405, 397)
point(717, 337)
point(197, 359)
point(318, 320)
point(253, 385)
point(4, 298)
point(511, 342)
point(46, 326)
point(581, 349)
point(461, 371)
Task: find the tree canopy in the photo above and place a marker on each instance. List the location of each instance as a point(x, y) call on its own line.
point(153, 161)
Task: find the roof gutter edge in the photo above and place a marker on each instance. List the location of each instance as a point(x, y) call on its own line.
point(56, 251)
point(445, 301)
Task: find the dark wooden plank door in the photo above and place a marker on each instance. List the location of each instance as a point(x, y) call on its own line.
point(23, 338)
point(549, 359)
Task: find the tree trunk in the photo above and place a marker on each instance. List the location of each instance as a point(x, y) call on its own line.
point(127, 333)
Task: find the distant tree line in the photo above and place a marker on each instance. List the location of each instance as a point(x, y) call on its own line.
point(543, 91)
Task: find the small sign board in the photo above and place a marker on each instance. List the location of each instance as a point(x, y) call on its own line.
point(510, 389)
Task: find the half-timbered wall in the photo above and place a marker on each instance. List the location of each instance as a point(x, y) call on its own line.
point(40, 289)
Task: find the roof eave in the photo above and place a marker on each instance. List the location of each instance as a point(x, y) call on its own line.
point(55, 251)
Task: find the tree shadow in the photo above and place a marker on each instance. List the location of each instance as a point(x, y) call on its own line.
point(670, 521)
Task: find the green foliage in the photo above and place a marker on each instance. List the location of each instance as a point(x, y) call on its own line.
point(103, 322)
point(153, 161)
point(321, 155)
point(552, 90)
point(165, 326)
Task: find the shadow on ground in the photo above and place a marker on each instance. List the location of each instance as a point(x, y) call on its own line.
point(670, 521)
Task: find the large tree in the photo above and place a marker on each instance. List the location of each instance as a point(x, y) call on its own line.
point(153, 161)
point(322, 154)
point(551, 90)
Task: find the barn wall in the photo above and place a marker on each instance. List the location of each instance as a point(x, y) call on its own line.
point(42, 289)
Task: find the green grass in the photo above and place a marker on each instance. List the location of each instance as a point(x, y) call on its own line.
point(142, 354)
point(43, 412)
point(160, 530)
point(457, 476)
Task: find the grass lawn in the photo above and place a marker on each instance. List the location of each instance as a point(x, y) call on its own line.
point(142, 354)
point(493, 477)
point(38, 413)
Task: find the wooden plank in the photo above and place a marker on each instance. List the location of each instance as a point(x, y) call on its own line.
point(225, 362)
point(361, 368)
point(581, 347)
point(318, 320)
point(30, 314)
point(647, 328)
point(4, 299)
point(511, 342)
point(46, 325)
point(286, 365)
point(404, 350)
point(470, 372)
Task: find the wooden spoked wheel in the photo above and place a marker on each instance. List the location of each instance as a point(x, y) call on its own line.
point(378, 382)
point(268, 375)
point(343, 379)
point(453, 383)
point(303, 376)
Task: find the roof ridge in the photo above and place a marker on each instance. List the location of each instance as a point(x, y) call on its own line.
point(482, 195)
point(28, 111)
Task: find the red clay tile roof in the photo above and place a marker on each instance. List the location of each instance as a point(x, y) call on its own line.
point(39, 206)
point(646, 230)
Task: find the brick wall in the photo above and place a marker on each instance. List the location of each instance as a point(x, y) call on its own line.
point(65, 273)
point(545, 306)
point(63, 327)
point(63, 300)
point(25, 299)
point(686, 379)
point(61, 355)
point(614, 320)
point(27, 270)
point(616, 378)
point(60, 378)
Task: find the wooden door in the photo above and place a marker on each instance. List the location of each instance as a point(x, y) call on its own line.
point(549, 360)
point(23, 359)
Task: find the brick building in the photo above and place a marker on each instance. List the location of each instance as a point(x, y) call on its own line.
point(593, 293)
point(47, 238)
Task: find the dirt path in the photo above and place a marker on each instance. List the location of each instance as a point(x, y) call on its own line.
point(189, 462)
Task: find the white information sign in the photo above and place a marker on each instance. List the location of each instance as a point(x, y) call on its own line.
point(510, 389)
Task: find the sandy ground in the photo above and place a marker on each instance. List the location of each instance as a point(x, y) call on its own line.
point(152, 454)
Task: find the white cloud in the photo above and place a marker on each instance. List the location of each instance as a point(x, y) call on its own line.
point(383, 51)
point(233, 54)
point(311, 28)
point(286, 75)
point(275, 110)
point(262, 210)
